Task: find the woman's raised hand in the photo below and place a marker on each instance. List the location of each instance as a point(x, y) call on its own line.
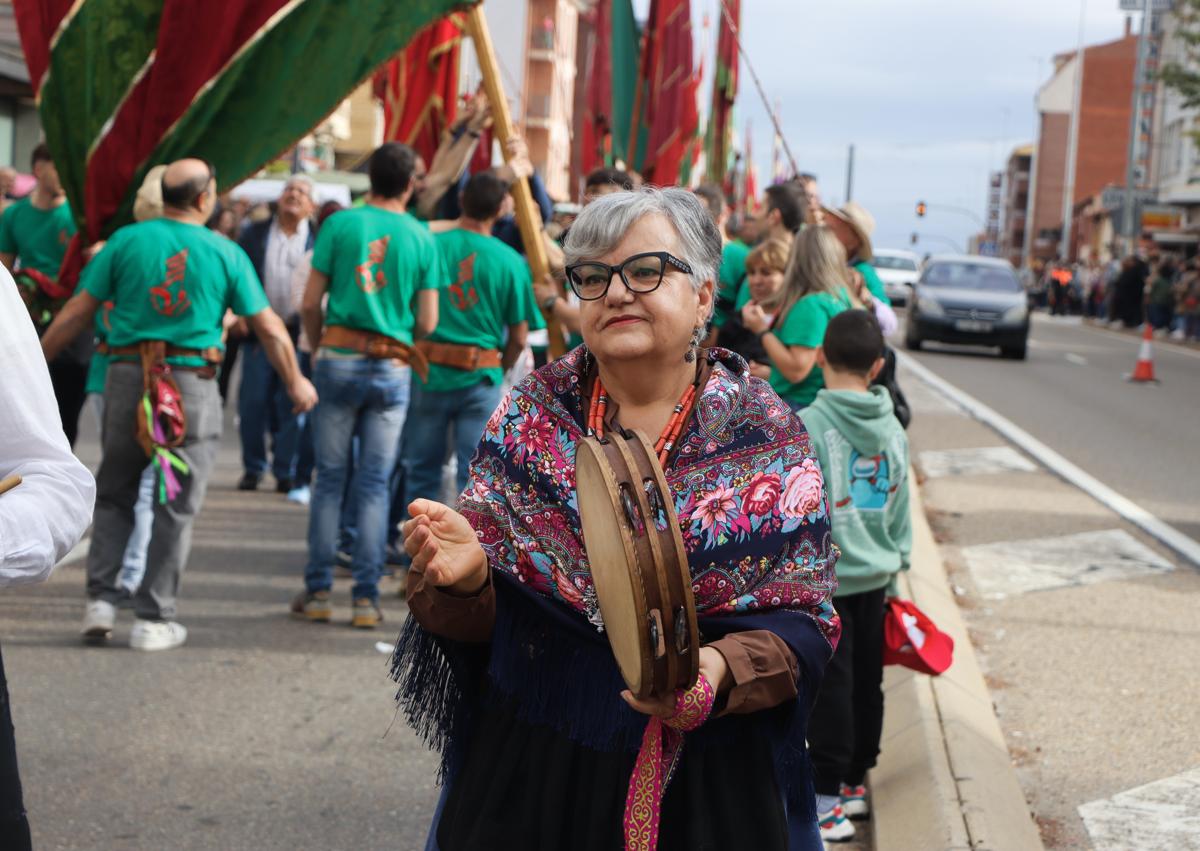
point(444, 547)
point(755, 318)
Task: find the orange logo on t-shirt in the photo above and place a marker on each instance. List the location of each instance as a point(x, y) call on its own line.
point(63, 237)
point(462, 291)
point(166, 298)
point(370, 276)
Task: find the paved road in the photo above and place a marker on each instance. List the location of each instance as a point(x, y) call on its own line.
point(1085, 627)
point(260, 733)
point(1071, 394)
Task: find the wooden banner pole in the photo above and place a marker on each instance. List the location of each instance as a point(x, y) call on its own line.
point(529, 217)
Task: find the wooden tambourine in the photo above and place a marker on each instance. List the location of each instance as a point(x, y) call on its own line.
point(638, 562)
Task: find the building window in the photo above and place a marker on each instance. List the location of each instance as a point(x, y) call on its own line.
point(1173, 140)
point(7, 132)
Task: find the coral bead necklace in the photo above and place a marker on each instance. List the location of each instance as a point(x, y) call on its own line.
point(670, 433)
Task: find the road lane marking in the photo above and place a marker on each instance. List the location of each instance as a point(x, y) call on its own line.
point(1163, 814)
point(1187, 547)
point(1078, 360)
point(1007, 568)
point(974, 462)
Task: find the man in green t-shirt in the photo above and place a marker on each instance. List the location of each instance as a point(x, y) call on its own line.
point(853, 226)
point(170, 280)
point(34, 234)
point(483, 322)
point(380, 269)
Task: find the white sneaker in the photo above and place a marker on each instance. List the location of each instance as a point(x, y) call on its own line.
point(98, 620)
point(835, 827)
point(300, 495)
point(157, 635)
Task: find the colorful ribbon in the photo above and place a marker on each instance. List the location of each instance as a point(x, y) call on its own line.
point(169, 485)
point(656, 761)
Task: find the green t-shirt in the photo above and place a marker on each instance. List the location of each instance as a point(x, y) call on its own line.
point(172, 281)
point(376, 261)
point(874, 284)
point(804, 325)
point(491, 290)
point(98, 366)
point(37, 237)
point(1162, 293)
point(730, 280)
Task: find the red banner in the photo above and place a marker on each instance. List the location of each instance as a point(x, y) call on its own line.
point(596, 123)
point(419, 87)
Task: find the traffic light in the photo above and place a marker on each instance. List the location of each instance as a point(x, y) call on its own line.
point(920, 209)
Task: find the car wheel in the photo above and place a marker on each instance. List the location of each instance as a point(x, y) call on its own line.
point(1013, 352)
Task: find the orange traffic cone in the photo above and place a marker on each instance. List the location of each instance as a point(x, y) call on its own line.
point(1143, 372)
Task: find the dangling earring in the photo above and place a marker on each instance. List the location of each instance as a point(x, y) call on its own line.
point(697, 336)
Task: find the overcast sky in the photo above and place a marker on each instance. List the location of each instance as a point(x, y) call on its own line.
point(933, 93)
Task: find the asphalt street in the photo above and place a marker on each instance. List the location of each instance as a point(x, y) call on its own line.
point(262, 732)
point(1084, 625)
point(1072, 395)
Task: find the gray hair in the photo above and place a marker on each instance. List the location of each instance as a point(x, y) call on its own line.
point(305, 180)
point(605, 221)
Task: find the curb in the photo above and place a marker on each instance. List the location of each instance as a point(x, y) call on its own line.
point(945, 779)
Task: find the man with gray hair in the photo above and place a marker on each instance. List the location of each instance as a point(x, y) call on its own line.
point(170, 281)
point(275, 247)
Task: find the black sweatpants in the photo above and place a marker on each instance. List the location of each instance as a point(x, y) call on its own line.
point(14, 827)
point(847, 719)
point(69, 378)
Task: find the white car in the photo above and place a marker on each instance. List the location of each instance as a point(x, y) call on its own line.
point(899, 271)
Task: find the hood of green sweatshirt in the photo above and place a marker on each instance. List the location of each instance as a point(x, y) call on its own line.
point(864, 419)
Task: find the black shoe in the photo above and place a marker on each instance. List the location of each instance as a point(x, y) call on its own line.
point(284, 485)
point(248, 482)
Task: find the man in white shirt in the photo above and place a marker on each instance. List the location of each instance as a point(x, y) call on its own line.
point(42, 517)
point(275, 247)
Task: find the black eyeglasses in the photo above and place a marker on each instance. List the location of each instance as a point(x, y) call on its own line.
point(641, 273)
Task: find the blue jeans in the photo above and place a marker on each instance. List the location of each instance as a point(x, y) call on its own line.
point(432, 414)
point(370, 396)
point(264, 407)
point(133, 566)
point(305, 454)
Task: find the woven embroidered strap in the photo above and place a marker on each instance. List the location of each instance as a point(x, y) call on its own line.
point(656, 760)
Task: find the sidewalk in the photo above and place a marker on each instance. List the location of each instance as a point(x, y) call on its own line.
point(945, 779)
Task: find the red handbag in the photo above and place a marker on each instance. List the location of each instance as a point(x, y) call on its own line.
point(911, 639)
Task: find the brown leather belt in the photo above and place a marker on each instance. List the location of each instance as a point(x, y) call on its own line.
point(459, 356)
point(212, 356)
point(375, 346)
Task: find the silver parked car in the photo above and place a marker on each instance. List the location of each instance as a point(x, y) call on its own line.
point(971, 300)
point(898, 270)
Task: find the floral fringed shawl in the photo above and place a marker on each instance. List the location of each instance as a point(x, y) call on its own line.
point(752, 509)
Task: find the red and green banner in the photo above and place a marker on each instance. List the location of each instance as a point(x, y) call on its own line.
point(719, 142)
point(419, 87)
point(665, 74)
point(123, 85)
point(610, 76)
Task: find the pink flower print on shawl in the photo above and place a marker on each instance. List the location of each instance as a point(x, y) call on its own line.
point(715, 509)
point(802, 490)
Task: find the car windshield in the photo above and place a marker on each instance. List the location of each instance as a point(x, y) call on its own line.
point(971, 276)
point(902, 263)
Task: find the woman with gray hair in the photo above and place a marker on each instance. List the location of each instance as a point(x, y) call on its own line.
point(504, 665)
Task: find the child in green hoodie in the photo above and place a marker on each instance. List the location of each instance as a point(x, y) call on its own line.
point(864, 456)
